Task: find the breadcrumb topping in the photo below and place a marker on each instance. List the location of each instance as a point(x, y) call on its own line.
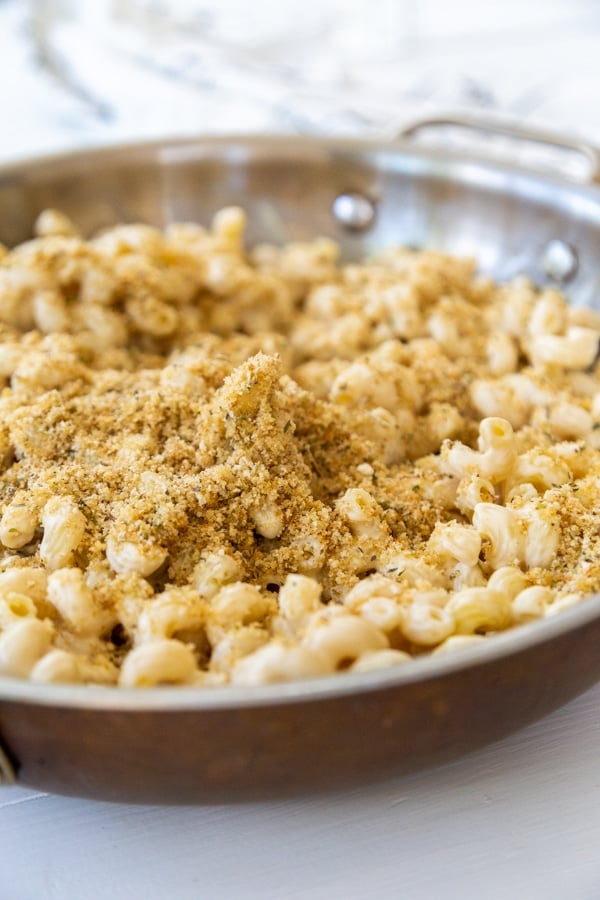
point(221, 465)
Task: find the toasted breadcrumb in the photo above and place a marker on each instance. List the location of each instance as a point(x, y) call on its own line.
point(392, 443)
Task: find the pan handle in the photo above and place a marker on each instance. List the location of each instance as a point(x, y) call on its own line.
point(7, 769)
point(516, 133)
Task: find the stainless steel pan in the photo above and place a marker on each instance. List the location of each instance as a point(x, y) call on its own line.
point(178, 745)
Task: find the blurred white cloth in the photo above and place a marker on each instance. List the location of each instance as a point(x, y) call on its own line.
point(80, 73)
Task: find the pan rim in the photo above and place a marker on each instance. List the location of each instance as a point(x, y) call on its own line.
point(447, 157)
point(329, 687)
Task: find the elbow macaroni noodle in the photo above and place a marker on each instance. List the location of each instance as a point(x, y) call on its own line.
point(220, 466)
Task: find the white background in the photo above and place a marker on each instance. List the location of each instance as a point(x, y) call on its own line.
point(518, 820)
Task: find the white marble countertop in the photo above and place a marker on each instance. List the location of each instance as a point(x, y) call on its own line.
point(520, 819)
point(84, 77)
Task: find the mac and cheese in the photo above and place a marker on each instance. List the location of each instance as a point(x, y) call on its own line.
point(227, 466)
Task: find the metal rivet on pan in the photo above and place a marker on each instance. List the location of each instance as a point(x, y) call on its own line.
point(354, 211)
point(559, 261)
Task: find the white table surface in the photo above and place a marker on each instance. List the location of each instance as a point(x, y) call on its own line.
point(517, 820)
